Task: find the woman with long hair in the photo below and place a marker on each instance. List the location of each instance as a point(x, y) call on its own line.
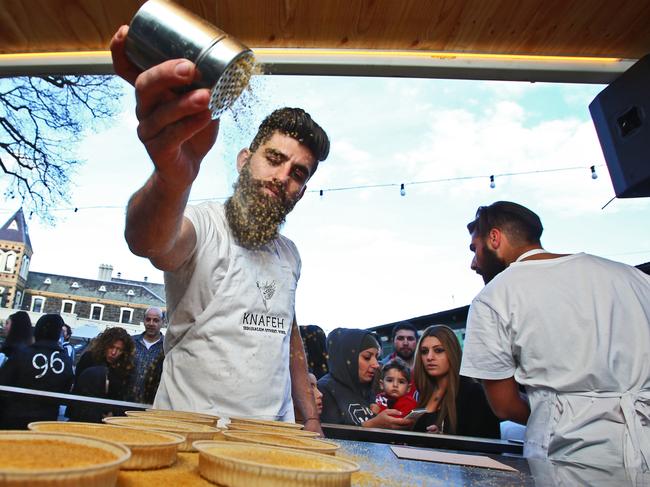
point(114, 349)
point(19, 333)
point(455, 404)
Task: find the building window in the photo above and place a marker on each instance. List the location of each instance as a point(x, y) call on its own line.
point(19, 300)
point(8, 262)
point(96, 311)
point(24, 267)
point(126, 315)
point(67, 306)
point(38, 304)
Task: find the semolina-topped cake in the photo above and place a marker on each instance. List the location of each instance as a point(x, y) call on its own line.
point(264, 422)
point(149, 449)
point(271, 429)
point(39, 459)
point(127, 436)
point(287, 441)
point(160, 424)
point(173, 416)
point(50, 454)
point(248, 465)
point(190, 431)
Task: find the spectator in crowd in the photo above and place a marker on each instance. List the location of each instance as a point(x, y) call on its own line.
point(42, 366)
point(404, 337)
point(114, 349)
point(65, 342)
point(93, 382)
point(318, 398)
point(394, 384)
point(455, 404)
point(573, 329)
point(18, 333)
point(347, 388)
point(313, 338)
point(318, 395)
point(149, 355)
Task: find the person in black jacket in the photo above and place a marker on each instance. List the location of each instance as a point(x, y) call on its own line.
point(43, 366)
point(456, 404)
point(347, 388)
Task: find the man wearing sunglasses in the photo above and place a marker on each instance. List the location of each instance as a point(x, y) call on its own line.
point(574, 329)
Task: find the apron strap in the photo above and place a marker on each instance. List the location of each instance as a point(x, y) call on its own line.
point(635, 406)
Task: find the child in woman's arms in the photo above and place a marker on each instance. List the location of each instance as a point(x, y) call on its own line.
point(394, 383)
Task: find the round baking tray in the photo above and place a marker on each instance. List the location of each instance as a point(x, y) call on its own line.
point(155, 449)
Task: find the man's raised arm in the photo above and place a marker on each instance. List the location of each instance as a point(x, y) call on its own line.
point(177, 131)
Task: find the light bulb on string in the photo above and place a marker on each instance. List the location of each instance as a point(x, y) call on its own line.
point(402, 190)
point(492, 183)
point(321, 194)
point(594, 175)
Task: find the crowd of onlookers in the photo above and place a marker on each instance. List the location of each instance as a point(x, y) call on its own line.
point(349, 382)
point(352, 386)
point(115, 366)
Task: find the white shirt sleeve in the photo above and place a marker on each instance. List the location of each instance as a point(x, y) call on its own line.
point(487, 352)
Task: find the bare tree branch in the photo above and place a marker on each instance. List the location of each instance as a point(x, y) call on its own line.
point(42, 120)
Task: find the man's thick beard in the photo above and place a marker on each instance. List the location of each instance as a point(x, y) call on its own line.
point(406, 359)
point(492, 265)
point(253, 216)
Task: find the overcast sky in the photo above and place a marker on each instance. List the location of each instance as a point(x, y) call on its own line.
point(371, 256)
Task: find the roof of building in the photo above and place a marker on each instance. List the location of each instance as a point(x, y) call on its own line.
point(15, 230)
point(454, 318)
point(154, 287)
point(127, 292)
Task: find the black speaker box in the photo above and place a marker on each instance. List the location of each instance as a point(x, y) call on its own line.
point(621, 115)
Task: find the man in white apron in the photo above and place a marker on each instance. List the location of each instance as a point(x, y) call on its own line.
point(573, 329)
point(233, 345)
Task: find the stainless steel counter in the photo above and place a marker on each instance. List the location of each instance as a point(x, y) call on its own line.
point(380, 467)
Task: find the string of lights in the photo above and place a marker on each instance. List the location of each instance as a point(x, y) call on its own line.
point(402, 186)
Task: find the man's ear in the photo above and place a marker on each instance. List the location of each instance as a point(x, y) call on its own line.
point(242, 158)
point(495, 238)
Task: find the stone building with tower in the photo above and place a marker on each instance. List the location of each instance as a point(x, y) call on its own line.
point(15, 255)
point(106, 301)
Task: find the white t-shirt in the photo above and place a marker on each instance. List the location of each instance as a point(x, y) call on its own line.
point(230, 316)
point(575, 331)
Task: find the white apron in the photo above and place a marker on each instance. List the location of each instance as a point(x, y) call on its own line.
point(231, 315)
point(590, 427)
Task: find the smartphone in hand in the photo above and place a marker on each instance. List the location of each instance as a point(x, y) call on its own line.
point(415, 414)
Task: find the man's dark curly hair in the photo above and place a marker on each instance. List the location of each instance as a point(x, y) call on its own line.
point(297, 124)
point(104, 340)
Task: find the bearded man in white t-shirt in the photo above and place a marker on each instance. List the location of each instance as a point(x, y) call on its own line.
point(574, 329)
point(232, 345)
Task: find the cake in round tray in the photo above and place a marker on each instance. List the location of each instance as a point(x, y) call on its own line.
point(286, 441)
point(249, 465)
point(190, 431)
point(149, 449)
point(35, 459)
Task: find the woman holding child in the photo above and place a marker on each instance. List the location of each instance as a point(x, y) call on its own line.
point(455, 404)
point(347, 388)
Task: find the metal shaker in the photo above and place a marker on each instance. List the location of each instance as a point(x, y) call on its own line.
point(162, 30)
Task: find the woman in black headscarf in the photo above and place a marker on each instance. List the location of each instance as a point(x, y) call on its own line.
point(313, 338)
point(347, 388)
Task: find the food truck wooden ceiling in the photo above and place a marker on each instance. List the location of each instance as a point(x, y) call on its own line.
point(592, 28)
